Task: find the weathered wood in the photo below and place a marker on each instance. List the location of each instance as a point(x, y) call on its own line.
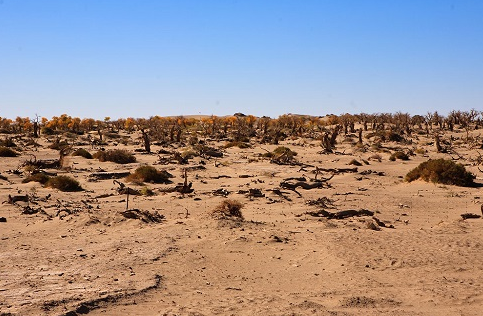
point(109, 175)
point(341, 214)
point(470, 215)
point(17, 198)
point(337, 170)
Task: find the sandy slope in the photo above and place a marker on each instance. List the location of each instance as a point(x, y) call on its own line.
point(279, 261)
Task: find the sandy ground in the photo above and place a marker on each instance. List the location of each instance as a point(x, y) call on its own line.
point(80, 255)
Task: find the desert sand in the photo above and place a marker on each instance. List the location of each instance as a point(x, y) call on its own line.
point(78, 254)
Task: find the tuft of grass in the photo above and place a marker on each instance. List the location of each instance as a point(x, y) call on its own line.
point(37, 177)
point(64, 184)
point(119, 156)
point(442, 171)
point(83, 153)
point(229, 209)
point(146, 191)
point(7, 152)
point(149, 174)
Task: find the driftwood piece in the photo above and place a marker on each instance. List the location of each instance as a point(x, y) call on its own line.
point(109, 175)
point(125, 190)
point(341, 214)
point(302, 184)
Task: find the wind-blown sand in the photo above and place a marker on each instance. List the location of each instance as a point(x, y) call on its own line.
point(80, 255)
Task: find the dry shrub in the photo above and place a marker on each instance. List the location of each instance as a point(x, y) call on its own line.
point(7, 142)
point(355, 162)
point(239, 144)
point(230, 209)
point(64, 184)
point(281, 152)
point(149, 174)
point(442, 171)
point(399, 155)
point(115, 155)
point(420, 151)
point(38, 177)
point(83, 153)
point(59, 144)
point(7, 152)
point(375, 157)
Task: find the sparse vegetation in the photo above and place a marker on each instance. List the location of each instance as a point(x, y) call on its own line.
point(7, 152)
point(229, 209)
point(119, 156)
point(442, 171)
point(64, 184)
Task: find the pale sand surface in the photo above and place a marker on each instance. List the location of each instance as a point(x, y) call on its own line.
point(278, 261)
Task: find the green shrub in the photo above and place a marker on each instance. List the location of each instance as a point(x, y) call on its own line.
point(37, 177)
point(149, 174)
point(442, 171)
point(7, 152)
point(229, 209)
point(83, 153)
point(64, 184)
point(116, 155)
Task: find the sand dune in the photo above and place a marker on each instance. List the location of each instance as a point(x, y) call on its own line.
point(78, 254)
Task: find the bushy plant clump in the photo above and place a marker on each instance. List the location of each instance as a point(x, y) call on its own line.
point(442, 171)
point(115, 155)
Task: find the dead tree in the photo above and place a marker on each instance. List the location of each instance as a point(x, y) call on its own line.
point(146, 141)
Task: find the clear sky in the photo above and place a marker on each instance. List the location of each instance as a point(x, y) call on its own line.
point(97, 58)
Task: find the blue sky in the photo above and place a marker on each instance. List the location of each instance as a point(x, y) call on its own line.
point(97, 58)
